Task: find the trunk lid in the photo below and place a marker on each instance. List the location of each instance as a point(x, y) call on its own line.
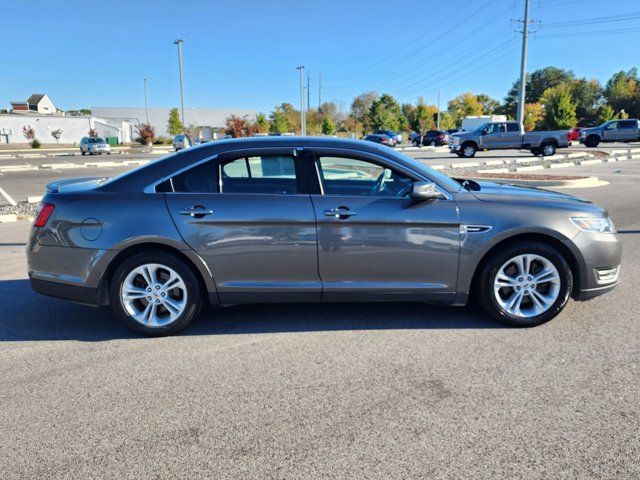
point(75, 184)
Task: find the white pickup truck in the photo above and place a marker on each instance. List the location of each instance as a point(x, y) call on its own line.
point(507, 135)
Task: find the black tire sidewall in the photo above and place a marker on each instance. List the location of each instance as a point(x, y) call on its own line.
point(464, 155)
point(485, 287)
point(194, 295)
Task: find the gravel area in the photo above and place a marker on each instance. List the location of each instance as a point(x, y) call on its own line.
point(22, 209)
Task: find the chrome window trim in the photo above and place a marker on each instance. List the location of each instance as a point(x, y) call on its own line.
point(151, 188)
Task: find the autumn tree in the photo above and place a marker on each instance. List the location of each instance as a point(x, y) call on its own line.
point(328, 127)
point(533, 113)
point(239, 127)
point(146, 133)
point(605, 113)
point(361, 109)
point(423, 118)
point(463, 106)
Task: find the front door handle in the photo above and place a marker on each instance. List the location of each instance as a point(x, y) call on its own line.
point(197, 211)
point(340, 212)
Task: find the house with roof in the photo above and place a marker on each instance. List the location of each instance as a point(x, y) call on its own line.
point(36, 103)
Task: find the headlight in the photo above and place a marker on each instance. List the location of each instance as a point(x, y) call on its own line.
point(594, 224)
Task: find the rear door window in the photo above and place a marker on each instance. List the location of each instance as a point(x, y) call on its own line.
point(270, 174)
point(513, 127)
point(200, 179)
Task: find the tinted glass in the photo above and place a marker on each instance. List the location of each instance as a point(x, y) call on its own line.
point(627, 124)
point(200, 179)
point(513, 127)
point(355, 177)
point(260, 174)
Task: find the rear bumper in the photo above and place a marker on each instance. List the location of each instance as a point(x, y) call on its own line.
point(75, 293)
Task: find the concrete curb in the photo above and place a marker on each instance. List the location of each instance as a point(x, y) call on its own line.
point(10, 218)
point(584, 182)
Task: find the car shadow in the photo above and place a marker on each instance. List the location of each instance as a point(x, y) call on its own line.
point(28, 316)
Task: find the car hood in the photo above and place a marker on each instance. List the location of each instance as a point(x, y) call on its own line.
point(499, 191)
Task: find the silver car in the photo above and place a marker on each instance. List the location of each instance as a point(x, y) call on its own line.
point(94, 146)
point(313, 220)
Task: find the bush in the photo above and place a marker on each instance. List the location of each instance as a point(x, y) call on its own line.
point(35, 143)
point(162, 141)
point(146, 133)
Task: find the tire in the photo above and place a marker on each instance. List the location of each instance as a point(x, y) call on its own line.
point(556, 292)
point(82, 152)
point(185, 299)
point(415, 143)
point(592, 141)
point(468, 150)
point(433, 143)
point(548, 149)
point(536, 151)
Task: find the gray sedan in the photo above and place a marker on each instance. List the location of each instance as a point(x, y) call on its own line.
point(313, 220)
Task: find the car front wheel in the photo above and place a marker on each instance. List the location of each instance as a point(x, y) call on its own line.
point(155, 294)
point(525, 285)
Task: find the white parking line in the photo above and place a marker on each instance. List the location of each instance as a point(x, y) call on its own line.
point(8, 197)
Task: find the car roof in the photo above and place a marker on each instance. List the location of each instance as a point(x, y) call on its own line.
point(136, 180)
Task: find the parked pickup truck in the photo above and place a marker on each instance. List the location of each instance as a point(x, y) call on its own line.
point(611, 131)
point(506, 135)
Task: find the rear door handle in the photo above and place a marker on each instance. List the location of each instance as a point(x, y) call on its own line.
point(197, 211)
point(340, 212)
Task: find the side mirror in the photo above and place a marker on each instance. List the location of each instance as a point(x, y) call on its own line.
point(425, 191)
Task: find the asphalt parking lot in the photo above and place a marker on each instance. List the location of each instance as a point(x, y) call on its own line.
point(332, 391)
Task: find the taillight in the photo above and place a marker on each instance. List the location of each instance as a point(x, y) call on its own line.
point(45, 211)
point(440, 137)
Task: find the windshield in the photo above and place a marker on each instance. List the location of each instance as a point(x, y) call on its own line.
point(96, 140)
point(481, 127)
point(440, 178)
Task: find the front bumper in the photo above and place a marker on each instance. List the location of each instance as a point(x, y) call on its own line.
point(454, 148)
point(602, 255)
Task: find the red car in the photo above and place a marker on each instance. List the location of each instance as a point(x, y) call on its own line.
point(574, 134)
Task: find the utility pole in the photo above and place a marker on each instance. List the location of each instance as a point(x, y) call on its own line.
point(319, 89)
point(146, 106)
point(179, 42)
point(438, 117)
point(303, 126)
point(523, 63)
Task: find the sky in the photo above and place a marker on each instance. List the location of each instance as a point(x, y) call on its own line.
point(244, 54)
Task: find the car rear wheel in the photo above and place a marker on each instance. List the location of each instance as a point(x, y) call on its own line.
point(536, 151)
point(592, 141)
point(468, 150)
point(525, 285)
point(155, 294)
point(548, 149)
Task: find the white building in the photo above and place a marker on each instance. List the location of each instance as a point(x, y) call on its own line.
point(36, 103)
point(205, 121)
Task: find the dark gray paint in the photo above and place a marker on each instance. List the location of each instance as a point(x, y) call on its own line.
point(256, 248)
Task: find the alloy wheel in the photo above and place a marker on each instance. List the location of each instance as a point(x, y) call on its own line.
point(526, 285)
point(154, 295)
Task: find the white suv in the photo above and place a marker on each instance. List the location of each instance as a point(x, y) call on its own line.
point(94, 145)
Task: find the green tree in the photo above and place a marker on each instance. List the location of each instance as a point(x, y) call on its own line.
point(605, 113)
point(536, 84)
point(284, 119)
point(174, 125)
point(586, 95)
point(446, 121)
point(423, 118)
point(464, 105)
point(382, 117)
point(559, 108)
point(262, 124)
point(622, 92)
point(328, 127)
point(489, 105)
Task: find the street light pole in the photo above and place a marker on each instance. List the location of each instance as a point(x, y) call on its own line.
point(179, 42)
point(303, 123)
point(146, 106)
